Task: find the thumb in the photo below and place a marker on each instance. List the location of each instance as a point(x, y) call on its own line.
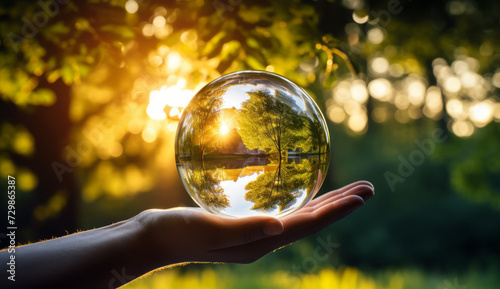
point(256, 228)
point(249, 229)
point(272, 227)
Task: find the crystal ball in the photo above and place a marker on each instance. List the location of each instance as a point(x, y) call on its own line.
point(252, 143)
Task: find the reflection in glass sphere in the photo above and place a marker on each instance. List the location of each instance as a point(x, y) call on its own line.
point(252, 143)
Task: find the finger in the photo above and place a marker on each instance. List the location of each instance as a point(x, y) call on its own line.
point(296, 227)
point(363, 191)
point(229, 232)
point(329, 213)
point(234, 232)
point(339, 191)
point(321, 216)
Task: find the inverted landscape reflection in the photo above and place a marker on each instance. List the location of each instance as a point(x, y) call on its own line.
point(252, 143)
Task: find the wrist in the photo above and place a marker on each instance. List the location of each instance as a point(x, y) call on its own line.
point(141, 252)
point(149, 246)
point(156, 248)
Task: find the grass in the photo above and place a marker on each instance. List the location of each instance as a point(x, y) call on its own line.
point(342, 278)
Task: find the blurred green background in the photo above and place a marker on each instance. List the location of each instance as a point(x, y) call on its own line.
point(91, 93)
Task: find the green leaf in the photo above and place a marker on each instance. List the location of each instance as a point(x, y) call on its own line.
point(256, 59)
point(123, 32)
point(43, 96)
point(67, 73)
point(214, 45)
point(249, 15)
point(229, 53)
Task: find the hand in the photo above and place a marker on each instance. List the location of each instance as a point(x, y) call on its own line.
point(158, 238)
point(192, 235)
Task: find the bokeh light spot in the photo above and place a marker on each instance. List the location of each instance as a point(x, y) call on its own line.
point(462, 128)
point(360, 19)
point(358, 91)
point(149, 134)
point(380, 88)
point(375, 35)
point(379, 65)
point(336, 114)
point(159, 21)
point(357, 122)
point(131, 6)
point(452, 84)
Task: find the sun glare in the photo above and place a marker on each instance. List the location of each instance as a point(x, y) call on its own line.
point(224, 129)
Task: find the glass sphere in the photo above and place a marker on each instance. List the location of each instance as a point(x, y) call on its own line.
point(252, 143)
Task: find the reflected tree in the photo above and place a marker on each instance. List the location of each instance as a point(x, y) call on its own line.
point(268, 124)
point(206, 186)
point(204, 124)
point(317, 139)
point(283, 186)
point(271, 125)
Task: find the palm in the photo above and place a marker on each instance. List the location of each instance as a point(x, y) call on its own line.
point(192, 234)
point(316, 215)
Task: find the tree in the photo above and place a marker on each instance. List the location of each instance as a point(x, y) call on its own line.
point(77, 79)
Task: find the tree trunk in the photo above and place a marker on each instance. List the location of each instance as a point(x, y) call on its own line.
point(51, 127)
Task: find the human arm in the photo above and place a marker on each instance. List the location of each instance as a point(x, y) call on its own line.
point(110, 256)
